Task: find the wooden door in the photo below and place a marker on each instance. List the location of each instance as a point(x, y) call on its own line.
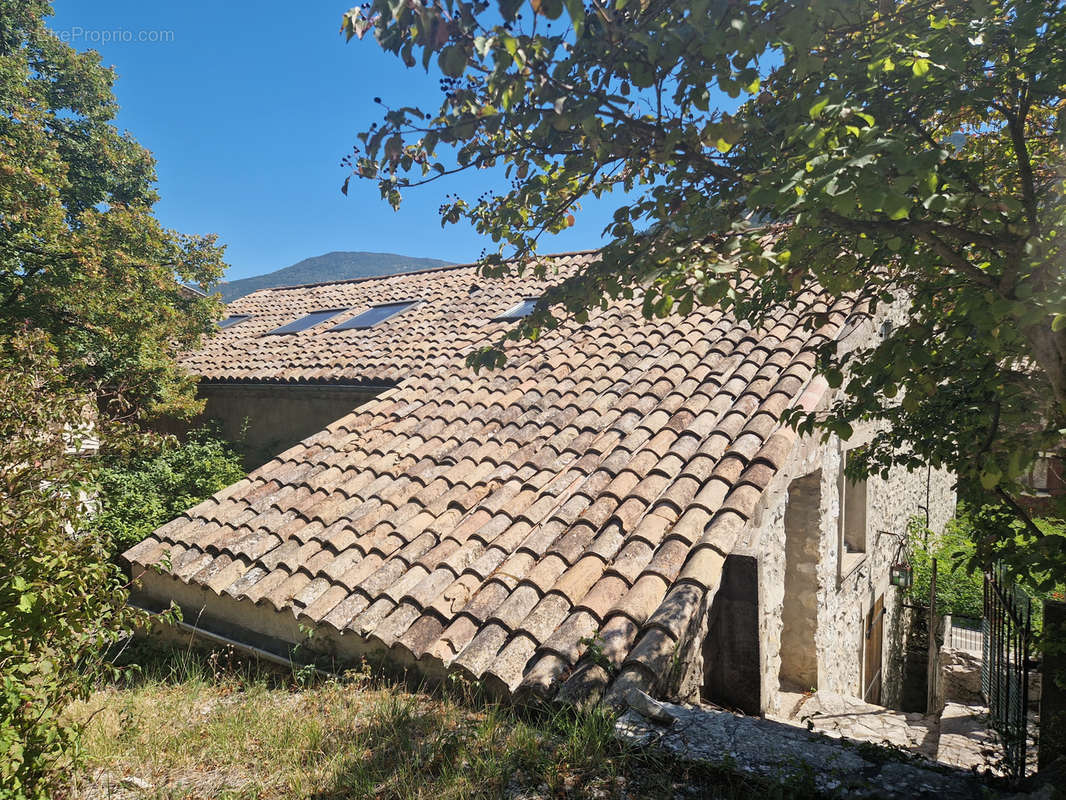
point(875, 633)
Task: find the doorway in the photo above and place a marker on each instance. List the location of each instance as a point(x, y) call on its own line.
point(875, 635)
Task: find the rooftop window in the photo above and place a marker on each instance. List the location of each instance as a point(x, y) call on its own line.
point(233, 319)
point(312, 319)
point(522, 309)
point(373, 315)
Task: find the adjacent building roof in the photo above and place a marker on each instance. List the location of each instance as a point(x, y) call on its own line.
point(497, 523)
point(456, 308)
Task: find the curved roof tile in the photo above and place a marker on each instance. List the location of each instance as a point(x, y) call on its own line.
point(497, 522)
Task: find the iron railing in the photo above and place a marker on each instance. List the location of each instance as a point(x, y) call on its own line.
point(1005, 666)
point(966, 633)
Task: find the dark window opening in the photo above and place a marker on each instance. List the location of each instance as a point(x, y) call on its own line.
point(373, 315)
point(852, 509)
point(312, 319)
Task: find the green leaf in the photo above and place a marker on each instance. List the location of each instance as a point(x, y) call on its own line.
point(452, 61)
point(576, 10)
point(552, 9)
point(817, 109)
point(897, 206)
point(509, 9)
point(990, 477)
point(641, 74)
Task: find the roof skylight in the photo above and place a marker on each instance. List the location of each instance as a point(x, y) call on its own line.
point(233, 319)
point(373, 315)
point(522, 309)
point(309, 321)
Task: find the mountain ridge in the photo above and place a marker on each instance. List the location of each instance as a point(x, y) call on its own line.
point(333, 266)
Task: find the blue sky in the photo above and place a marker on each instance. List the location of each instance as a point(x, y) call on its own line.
point(249, 108)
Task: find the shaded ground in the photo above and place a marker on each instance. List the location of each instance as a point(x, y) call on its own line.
point(793, 758)
point(959, 737)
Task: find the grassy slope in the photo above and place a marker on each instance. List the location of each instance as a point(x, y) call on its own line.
point(328, 267)
point(213, 725)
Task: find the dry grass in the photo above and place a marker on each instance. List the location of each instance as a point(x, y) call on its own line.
point(189, 724)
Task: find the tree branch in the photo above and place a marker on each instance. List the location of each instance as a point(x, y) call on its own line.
point(925, 231)
point(1020, 513)
point(1016, 126)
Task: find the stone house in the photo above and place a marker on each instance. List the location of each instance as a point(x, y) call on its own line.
point(618, 507)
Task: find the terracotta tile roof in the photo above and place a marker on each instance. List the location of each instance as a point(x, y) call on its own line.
point(495, 523)
point(457, 309)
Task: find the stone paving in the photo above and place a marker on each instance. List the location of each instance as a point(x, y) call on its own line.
point(960, 738)
point(965, 738)
point(789, 755)
point(839, 716)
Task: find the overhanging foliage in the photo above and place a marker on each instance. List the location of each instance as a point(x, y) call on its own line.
point(908, 147)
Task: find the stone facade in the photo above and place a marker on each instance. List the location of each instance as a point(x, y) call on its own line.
point(814, 600)
point(823, 548)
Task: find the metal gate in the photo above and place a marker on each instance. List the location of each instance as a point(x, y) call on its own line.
point(1005, 667)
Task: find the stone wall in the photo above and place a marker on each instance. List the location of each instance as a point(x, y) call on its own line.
point(845, 585)
point(960, 674)
point(848, 591)
point(266, 419)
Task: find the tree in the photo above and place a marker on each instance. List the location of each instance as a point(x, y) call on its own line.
point(82, 258)
point(900, 149)
point(61, 600)
point(92, 315)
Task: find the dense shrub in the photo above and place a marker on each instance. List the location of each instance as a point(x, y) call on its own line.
point(141, 489)
point(64, 512)
point(960, 591)
point(960, 580)
point(61, 601)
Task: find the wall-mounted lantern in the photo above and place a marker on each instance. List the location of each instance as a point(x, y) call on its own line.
point(901, 575)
